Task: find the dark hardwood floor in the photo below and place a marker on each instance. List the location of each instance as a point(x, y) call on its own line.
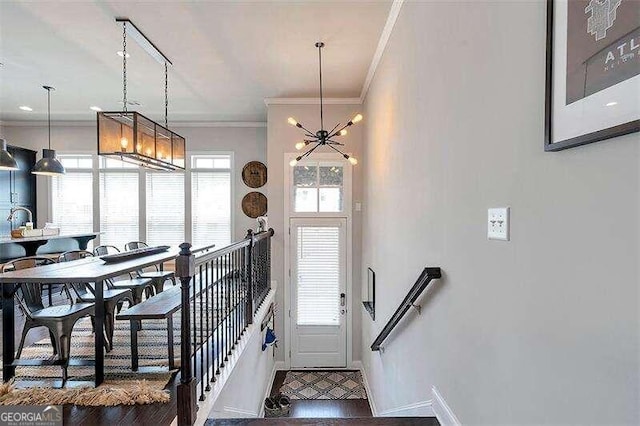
point(323, 408)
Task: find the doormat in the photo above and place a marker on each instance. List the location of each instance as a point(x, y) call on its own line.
point(323, 385)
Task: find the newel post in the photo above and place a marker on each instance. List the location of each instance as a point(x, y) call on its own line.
point(187, 408)
point(248, 259)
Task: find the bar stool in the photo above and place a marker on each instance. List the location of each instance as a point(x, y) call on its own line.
point(85, 294)
point(138, 286)
point(159, 277)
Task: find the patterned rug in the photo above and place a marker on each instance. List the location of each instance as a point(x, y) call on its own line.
point(323, 385)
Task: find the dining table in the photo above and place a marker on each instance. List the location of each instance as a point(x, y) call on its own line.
point(89, 270)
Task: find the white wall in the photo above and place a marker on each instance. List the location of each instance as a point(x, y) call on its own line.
point(543, 329)
point(247, 144)
point(281, 139)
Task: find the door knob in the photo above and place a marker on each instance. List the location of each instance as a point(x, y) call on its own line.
point(342, 299)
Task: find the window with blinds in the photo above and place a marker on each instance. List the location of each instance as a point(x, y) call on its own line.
point(72, 195)
point(211, 200)
point(119, 206)
point(165, 208)
point(318, 275)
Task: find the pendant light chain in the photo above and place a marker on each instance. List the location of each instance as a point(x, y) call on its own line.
point(166, 95)
point(124, 65)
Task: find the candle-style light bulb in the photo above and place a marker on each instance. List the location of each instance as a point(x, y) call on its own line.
point(357, 119)
point(353, 160)
point(293, 162)
point(292, 121)
point(123, 143)
point(343, 132)
point(300, 145)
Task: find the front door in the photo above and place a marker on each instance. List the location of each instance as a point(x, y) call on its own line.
point(318, 293)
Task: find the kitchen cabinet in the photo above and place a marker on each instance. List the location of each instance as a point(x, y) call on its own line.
point(18, 188)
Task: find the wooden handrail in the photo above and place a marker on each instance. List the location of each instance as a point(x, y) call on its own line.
point(427, 275)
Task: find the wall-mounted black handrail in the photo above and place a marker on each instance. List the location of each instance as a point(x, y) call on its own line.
point(423, 281)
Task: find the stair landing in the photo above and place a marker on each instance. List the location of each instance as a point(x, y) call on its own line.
point(356, 421)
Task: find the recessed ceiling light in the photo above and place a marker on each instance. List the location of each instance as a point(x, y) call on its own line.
point(612, 104)
point(121, 54)
point(95, 108)
point(26, 108)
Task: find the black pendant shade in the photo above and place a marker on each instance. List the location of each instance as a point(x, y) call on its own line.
point(7, 162)
point(48, 165)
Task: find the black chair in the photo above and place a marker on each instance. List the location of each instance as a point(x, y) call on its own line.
point(138, 286)
point(159, 277)
point(86, 294)
point(60, 319)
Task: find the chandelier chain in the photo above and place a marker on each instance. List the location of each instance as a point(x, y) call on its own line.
point(124, 65)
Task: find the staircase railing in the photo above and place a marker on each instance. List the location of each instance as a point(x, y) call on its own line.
point(427, 275)
point(221, 290)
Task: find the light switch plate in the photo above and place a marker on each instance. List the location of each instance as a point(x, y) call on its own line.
point(498, 224)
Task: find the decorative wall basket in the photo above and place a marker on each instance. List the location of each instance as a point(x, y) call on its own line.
point(254, 174)
point(254, 204)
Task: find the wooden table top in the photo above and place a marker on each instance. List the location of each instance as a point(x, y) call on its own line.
point(84, 270)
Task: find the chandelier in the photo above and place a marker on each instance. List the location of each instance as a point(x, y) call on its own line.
point(129, 135)
point(322, 137)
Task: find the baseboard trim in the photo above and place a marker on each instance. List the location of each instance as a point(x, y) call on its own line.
point(442, 411)
point(240, 412)
point(268, 389)
point(427, 405)
point(358, 365)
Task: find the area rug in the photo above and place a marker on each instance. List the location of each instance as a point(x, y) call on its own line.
point(323, 385)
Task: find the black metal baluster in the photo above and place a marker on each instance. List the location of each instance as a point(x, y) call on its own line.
point(228, 306)
point(201, 345)
point(221, 311)
point(218, 316)
point(209, 340)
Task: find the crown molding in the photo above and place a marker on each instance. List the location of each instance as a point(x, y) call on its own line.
point(382, 45)
point(92, 123)
point(312, 101)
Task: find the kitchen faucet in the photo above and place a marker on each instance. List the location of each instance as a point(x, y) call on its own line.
point(14, 210)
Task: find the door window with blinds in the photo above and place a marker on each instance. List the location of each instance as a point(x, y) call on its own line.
point(72, 195)
point(165, 208)
point(318, 275)
point(119, 203)
point(318, 187)
point(211, 200)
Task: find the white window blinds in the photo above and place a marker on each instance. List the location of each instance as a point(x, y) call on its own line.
point(72, 195)
point(165, 208)
point(318, 275)
point(119, 207)
point(211, 207)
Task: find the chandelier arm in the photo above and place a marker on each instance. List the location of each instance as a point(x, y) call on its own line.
point(309, 133)
point(338, 151)
point(308, 153)
point(330, 142)
point(337, 132)
point(335, 127)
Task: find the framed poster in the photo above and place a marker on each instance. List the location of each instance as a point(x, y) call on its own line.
point(592, 71)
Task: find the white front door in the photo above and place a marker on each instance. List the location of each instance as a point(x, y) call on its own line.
point(318, 293)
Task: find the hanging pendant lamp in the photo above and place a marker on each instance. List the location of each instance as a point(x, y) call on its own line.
point(7, 162)
point(130, 136)
point(323, 137)
point(48, 165)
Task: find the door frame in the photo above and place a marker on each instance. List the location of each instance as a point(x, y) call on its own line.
point(288, 215)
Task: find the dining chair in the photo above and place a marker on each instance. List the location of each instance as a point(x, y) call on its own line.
point(137, 285)
point(58, 319)
point(159, 277)
point(86, 294)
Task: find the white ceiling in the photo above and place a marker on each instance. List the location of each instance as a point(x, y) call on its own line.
point(228, 56)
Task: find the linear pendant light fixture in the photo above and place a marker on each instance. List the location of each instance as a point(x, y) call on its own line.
point(323, 137)
point(129, 135)
point(48, 165)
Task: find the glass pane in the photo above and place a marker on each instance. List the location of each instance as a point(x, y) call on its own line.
point(72, 202)
point(318, 275)
point(305, 200)
point(330, 199)
point(165, 209)
point(331, 175)
point(211, 208)
point(222, 163)
point(119, 208)
point(112, 163)
point(305, 176)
